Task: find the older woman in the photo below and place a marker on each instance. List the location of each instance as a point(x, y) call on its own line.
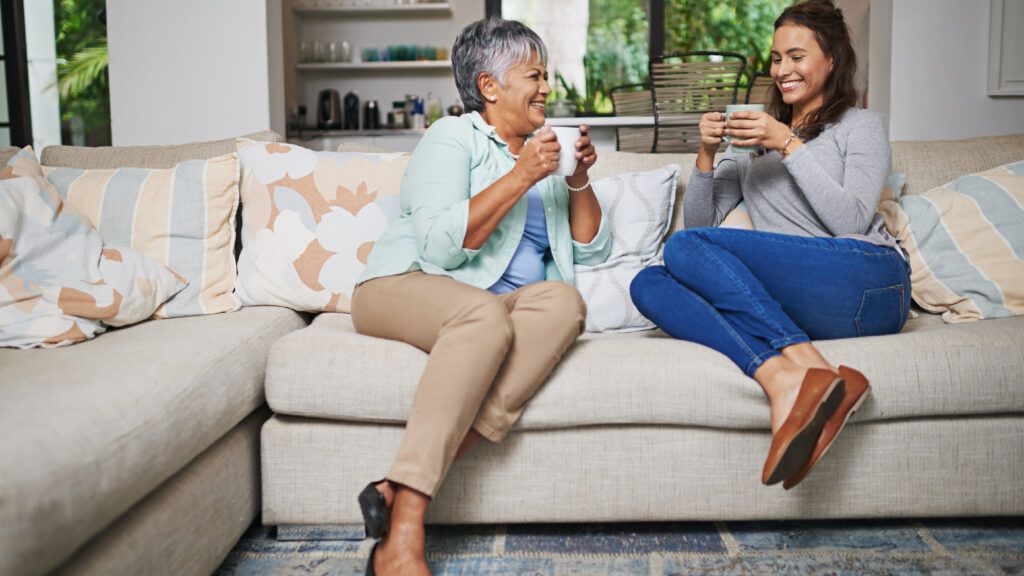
point(478, 272)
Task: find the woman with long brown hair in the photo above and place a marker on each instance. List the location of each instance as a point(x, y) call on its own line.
point(819, 263)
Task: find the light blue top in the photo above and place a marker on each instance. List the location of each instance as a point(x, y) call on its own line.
point(527, 265)
point(458, 158)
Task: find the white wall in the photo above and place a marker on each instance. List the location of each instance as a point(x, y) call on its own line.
point(939, 67)
point(41, 53)
point(188, 70)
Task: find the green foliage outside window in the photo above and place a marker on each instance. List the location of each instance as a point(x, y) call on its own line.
point(82, 72)
point(743, 26)
point(617, 47)
point(617, 40)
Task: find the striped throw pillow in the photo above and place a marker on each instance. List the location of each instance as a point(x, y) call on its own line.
point(966, 244)
point(182, 217)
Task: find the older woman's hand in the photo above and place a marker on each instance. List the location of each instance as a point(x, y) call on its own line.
point(539, 157)
point(586, 155)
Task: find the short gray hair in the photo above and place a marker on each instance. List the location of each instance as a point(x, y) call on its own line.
point(491, 46)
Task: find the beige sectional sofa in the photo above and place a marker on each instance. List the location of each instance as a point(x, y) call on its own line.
point(136, 452)
point(644, 427)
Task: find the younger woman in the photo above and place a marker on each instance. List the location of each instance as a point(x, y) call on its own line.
point(819, 263)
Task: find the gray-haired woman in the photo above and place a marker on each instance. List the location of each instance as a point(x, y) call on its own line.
point(478, 272)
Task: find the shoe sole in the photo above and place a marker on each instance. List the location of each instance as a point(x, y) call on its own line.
point(375, 524)
point(800, 448)
point(853, 410)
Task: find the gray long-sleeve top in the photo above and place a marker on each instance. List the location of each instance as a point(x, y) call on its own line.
point(830, 187)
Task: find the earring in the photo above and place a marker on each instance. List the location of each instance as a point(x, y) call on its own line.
point(492, 98)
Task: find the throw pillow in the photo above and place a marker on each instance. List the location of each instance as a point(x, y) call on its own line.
point(58, 285)
point(309, 221)
point(893, 187)
point(966, 244)
point(182, 217)
point(638, 206)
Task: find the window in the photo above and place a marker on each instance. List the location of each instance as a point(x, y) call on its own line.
point(593, 45)
point(741, 26)
point(81, 51)
point(618, 37)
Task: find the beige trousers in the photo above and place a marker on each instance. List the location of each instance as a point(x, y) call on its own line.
point(489, 354)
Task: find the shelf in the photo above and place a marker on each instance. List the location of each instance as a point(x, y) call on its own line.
point(371, 66)
point(313, 132)
point(438, 8)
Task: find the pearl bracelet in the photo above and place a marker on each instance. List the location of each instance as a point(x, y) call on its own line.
point(581, 188)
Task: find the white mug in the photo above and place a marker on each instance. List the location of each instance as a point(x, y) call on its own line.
point(567, 137)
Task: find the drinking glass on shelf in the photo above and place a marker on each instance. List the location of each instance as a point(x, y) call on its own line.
point(319, 52)
point(305, 51)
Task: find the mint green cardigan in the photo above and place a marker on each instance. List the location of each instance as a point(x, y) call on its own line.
point(457, 159)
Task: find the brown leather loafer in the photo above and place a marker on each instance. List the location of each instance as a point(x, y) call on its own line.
point(857, 389)
point(819, 396)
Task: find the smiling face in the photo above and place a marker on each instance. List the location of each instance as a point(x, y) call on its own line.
point(518, 106)
point(800, 68)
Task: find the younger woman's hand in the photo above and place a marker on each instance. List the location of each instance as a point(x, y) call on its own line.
point(712, 128)
point(751, 128)
point(586, 155)
point(539, 157)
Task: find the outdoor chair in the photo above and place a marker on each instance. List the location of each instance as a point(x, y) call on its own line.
point(633, 100)
point(685, 86)
point(759, 89)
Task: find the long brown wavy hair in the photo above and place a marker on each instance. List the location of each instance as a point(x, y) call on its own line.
point(840, 93)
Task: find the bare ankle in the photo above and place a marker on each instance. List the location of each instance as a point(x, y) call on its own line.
point(807, 356)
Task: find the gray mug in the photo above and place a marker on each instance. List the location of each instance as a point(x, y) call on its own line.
point(741, 108)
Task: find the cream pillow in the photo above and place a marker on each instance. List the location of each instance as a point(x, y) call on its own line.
point(309, 221)
point(966, 244)
point(182, 217)
point(638, 206)
point(58, 284)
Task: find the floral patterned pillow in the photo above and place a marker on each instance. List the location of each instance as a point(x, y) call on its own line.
point(58, 284)
point(309, 221)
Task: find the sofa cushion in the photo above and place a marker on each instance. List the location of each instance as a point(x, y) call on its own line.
point(58, 284)
point(182, 217)
point(143, 156)
point(928, 164)
point(612, 163)
point(965, 242)
point(931, 369)
point(638, 206)
point(87, 431)
point(8, 152)
point(310, 220)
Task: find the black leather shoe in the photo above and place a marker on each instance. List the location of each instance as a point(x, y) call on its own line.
point(376, 515)
point(369, 563)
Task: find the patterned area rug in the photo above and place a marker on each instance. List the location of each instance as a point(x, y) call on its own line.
point(973, 546)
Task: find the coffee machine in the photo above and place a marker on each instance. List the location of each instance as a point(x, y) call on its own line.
point(351, 111)
point(328, 110)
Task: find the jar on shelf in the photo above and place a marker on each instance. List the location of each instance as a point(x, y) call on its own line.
point(396, 118)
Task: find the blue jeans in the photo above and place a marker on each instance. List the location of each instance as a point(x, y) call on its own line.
point(749, 294)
